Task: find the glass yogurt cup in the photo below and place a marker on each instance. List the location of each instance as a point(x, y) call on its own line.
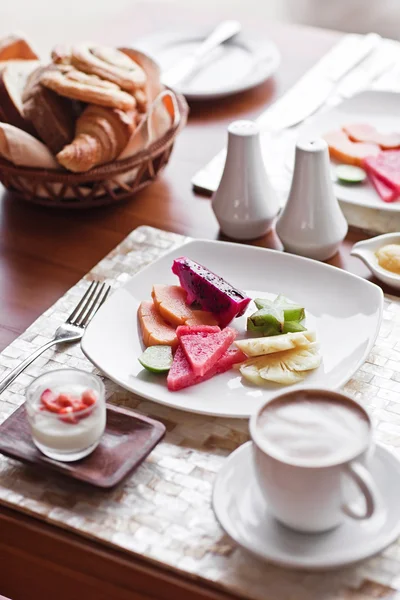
point(67, 413)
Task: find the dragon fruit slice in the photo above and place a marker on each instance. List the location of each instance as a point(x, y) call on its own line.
point(210, 291)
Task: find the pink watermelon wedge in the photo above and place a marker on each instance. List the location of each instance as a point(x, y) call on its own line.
point(181, 374)
point(388, 194)
point(385, 166)
point(192, 329)
point(204, 349)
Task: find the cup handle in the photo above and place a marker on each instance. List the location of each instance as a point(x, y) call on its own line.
point(362, 478)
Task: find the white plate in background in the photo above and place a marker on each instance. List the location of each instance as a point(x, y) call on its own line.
point(380, 109)
point(235, 66)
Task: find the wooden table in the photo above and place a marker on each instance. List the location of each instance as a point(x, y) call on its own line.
point(43, 252)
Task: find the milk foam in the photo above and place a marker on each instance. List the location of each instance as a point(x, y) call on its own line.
point(312, 431)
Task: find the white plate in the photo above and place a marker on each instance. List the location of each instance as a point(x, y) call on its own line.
point(243, 514)
point(344, 310)
point(380, 109)
point(236, 66)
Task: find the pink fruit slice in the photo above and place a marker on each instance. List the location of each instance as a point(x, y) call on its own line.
point(210, 291)
point(204, 349)
point(388, 194)
point(190, 329)
point(386, 166)
point(181, 374)
point(363, 132)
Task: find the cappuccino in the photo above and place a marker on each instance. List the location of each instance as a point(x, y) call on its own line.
point(308, 430)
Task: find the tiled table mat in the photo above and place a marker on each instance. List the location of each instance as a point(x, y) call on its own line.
point(163, 510)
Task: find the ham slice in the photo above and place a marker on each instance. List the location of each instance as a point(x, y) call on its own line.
point(388, 194)
point(385, 166)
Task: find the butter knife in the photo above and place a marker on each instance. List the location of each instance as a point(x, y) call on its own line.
point(312, 91)
point(189, 65)
point(302, 100)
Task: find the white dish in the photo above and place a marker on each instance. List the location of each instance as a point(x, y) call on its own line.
point(243, 514)
point(365, 251)
point(236, 66)
point(343, 309)
point(380, 109)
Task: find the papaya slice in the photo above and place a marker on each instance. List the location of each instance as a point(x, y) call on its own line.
point(170, 301)
point(348, 152)
point(155, 331)
point(363, 132)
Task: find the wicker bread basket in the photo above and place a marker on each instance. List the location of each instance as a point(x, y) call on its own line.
point(114, 181)
point(106, 184)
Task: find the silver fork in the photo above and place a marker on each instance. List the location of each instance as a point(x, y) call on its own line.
point(70, 331)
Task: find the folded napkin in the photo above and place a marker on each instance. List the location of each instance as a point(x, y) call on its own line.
point(162, 114)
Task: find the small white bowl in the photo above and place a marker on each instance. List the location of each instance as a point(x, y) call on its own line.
point(366, 249)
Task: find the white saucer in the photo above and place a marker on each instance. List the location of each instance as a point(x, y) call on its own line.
point(236, 66)
point(242, 513)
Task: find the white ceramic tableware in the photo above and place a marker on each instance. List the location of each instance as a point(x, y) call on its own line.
point(311, 497)
point(380, 109)
point(312, 223)
point(365, 250)
point(245, 203)
point(187, 66)
point(236, 66)
point(346, 325)
point(244, 515)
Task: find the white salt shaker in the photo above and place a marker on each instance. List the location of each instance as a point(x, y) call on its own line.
point(244, 204)
point(312, 223)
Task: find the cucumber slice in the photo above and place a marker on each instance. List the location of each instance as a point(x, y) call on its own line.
point(157, 359)
point(350, 174)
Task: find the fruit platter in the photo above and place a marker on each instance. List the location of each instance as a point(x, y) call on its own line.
point(363, 135)
point(187, 331)
point(272, 320)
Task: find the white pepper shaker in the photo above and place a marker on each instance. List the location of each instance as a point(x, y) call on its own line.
point(244, 204)
point(312, 223)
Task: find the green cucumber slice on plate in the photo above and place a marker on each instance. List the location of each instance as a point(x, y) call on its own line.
point(157, 359)
point(350, 174)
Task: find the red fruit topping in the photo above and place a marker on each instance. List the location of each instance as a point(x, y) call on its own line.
point(49, 401)
point(69, 412)
point(89, 398)
point(64, 400)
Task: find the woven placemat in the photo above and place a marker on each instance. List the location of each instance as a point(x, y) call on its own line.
point(163, 511)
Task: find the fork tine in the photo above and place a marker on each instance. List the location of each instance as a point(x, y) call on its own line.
point(86, 296)
point(95, 308)
point(92, 306)
point(87, 304)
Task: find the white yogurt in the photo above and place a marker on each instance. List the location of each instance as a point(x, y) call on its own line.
point(60, 439)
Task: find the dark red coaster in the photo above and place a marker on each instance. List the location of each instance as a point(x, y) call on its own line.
point(126, 442)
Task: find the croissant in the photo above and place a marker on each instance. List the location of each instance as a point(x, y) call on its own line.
point(100, 136)
point(109, 64)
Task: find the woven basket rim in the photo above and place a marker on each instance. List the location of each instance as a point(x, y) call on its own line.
point(107, 170)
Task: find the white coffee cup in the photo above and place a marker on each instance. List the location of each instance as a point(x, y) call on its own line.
point(314, 498)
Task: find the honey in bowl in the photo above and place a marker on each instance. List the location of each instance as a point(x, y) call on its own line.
point(389, 258)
